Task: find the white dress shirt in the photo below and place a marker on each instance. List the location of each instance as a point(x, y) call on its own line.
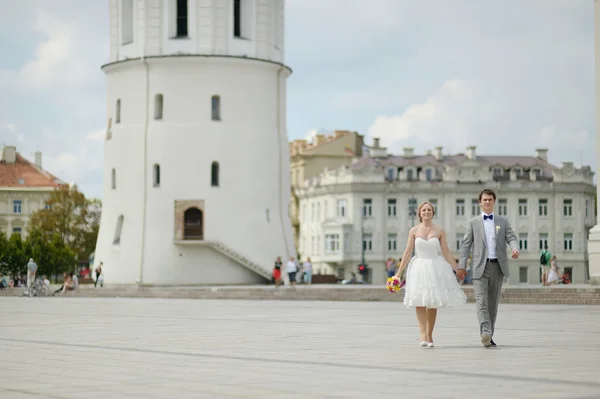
point(490, 236)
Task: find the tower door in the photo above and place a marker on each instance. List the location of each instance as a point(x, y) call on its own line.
point(193, 224)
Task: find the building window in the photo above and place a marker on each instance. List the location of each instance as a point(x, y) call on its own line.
point(347, 243)
point(543, 207)
point(118, 112)
point(537, 172)
point(392, 241)
point(460, 207)
point(390, 174)
point(522, 207)
point(410, 174)
point(429, 174)
point(318, 211)
point(502, 207)
point(341, 208)
point(156, 175)
point(498, 172)
point(332, 243)
point(568, 207)
point(474, 207)
point(325, 210)
point(587, 207)
point(434, 202)
point(242, 16)
point(17, 206)
point(459, 240)
point(193, 224)
point(518, 172)
point(568, 241)
point(391, 207)
point(158, 106)
point(214, 174)
point(17, 230)
point(367, 207)
point(215, 104)
point(117, 239)
point(523, 279)
point(312, 212)
point(126, 21)
point(113, 179)
point(182, 18)
point(543, 240)
point(47, 206)
point(523, 242)
point(368, 242)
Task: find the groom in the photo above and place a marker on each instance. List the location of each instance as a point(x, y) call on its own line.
point(487, 236)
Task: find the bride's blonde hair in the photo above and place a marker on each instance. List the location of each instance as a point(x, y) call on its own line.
point(421, 206)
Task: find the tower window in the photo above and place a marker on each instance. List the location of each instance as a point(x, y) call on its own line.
point(237, 18)
point(113, 179)
point(118, 112)
point(126, 21)
point(156, 175)
point(158, 106)
point(215, 103)
point(117, 239)
point(182, 18)
point(242, 18)
point(214, 174)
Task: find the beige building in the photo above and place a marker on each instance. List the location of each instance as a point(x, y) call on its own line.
point(371, 205)
point(24, 188)
point(308, 160)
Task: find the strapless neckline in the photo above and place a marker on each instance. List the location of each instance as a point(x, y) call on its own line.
point(427, 239)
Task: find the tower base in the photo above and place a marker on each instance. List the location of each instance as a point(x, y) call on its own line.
point(594, 255)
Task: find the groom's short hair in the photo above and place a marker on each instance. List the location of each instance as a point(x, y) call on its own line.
point(487, 191)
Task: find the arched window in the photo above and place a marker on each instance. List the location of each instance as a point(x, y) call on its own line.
point(182, 18)
point(156, 175)
point(118, 112)
point(118, 230)
point(193, 224)
point(158, 106)
point(113, 179)
point(215, 103)
point(214, 174)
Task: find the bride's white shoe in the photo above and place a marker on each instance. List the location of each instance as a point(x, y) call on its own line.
point(424, 344)
point(430, 344)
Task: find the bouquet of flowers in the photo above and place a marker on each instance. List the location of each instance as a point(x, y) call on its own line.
point(394, 284)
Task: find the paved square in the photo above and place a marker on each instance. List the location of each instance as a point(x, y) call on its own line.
point(174, 348)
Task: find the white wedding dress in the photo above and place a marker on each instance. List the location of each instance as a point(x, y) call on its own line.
point(430, 281)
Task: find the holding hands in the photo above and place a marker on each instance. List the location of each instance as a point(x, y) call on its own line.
point(515, 253)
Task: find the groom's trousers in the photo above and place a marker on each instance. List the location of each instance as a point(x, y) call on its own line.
point(487, 295)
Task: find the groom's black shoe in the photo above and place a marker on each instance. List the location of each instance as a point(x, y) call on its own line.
point(493, 343)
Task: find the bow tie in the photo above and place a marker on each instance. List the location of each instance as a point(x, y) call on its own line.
point(486, 217)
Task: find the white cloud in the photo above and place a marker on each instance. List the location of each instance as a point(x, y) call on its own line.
point(14, 132)
point(96, 135)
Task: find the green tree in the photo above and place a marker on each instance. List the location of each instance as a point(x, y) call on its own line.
point(17, 256)
point(4, 248)
point(51, 254)
point(73, 217)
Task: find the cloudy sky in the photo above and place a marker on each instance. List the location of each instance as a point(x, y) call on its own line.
point(507, 76)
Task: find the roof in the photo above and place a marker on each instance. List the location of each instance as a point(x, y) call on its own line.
point(23, 174)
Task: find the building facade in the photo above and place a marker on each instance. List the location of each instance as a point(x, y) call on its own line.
point(372, 205)
point(24, 189)
point(308, 160)
point(196, 159)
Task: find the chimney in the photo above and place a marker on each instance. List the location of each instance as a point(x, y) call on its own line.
point(408, 152)
point(375, 142)
point(428, 152)
point(471, 154)
point(438, 153)
point(9, 154)
point(542, 153)
point(38, 159)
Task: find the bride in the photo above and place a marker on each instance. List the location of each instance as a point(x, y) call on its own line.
point(430, 282)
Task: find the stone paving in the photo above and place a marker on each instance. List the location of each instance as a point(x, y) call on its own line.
point(74, 347)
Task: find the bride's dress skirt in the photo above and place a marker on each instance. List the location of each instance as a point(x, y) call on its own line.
point(431, 283)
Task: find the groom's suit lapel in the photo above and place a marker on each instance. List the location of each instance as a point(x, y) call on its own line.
point(482, 227)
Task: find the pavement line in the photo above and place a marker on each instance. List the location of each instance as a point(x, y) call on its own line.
point(314, 363)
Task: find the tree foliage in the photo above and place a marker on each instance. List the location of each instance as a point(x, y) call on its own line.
point(74, 218)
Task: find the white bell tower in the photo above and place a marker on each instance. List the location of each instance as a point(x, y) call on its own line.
point(196, 162)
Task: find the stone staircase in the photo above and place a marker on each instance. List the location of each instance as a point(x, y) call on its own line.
point(225, 250)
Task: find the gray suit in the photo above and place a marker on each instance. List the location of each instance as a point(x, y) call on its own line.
point(487, 276)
